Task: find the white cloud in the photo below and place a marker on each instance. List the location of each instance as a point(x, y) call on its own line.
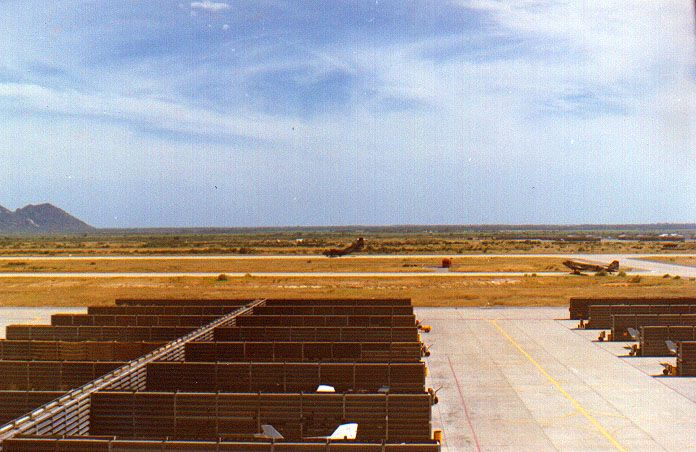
point(147, 111)
point(609, 40)
point(207, 5)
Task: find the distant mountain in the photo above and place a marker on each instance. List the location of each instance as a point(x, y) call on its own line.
point(40, 218)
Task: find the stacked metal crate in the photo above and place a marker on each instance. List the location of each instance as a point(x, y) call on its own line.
point(653, 339)
point(600, 316)
point(579, 307)
point(269, 375)
point(686, 359)
point(661, 326)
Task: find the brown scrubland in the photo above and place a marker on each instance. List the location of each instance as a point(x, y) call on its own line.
point(425, 291)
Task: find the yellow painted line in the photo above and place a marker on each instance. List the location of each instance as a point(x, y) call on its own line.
point(565, 393)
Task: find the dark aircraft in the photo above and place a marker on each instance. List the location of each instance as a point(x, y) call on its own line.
point(579, 267)
point(352, 248)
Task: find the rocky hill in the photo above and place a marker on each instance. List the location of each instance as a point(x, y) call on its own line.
point(38, 219)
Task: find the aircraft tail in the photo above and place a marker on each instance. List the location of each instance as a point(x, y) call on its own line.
point(614, 266)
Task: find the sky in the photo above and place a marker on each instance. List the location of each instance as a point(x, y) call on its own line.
point(283, 113)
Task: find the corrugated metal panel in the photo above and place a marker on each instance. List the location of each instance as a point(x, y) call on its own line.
point(70, 415)
point(333, 310)
point(320, 341)
point(316, 334)
point(161, 310)
point(621, 323)
point(304, 351)
point(579, 307)
point(328, 320)
point(184, 302)
point(395, 417)
point(94, 333)
point(101, 444)
point(652, 338)
point(17, 403)
point(686, 358)
point(74, 351)
point(600, 316)
point(131, 320)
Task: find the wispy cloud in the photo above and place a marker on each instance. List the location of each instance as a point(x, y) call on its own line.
point(147, 113)
point(210, 6)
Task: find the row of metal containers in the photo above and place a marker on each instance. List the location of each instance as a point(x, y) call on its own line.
point(40, 363)
point(261, 310)
point(395, 418)
point(255, 320)
point(579, 307)
point(223, 392)
point(294, 302)
point(98, 444)
point(659, 326)
point(600, 316)
point(14, 350)
point(241, 333)
point(399, 382)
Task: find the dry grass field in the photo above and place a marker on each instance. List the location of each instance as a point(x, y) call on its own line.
point(690, 261)
point(308, 265)
point(451, 291)
point(308, 243)
point(425, 291)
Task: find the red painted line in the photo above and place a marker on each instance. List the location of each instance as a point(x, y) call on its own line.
point(466, 410)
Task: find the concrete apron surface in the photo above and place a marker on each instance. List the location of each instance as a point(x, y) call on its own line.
point(524, 379)
point(32, 316)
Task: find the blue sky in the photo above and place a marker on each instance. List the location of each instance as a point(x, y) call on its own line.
point(245, 113)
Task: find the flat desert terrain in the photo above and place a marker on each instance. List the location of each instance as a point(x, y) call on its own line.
point(425, 291)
